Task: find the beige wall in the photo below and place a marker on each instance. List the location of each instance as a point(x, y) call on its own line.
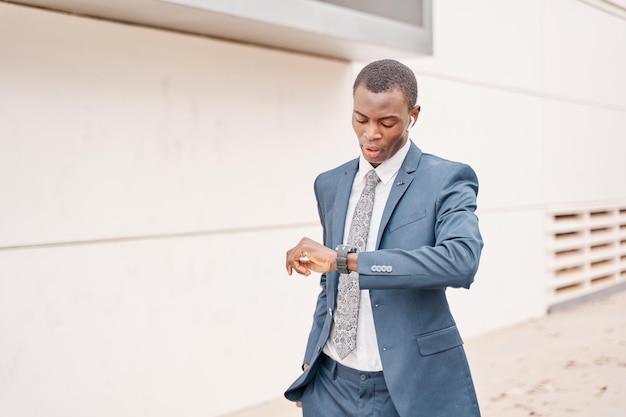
point(152, 181)
point(199, 156)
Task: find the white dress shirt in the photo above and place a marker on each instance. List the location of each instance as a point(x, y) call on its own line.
point(365, 356)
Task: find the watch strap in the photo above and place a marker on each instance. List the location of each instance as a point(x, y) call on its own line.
point(342, 257)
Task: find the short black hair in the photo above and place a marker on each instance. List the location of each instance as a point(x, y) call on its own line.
point(387, 74)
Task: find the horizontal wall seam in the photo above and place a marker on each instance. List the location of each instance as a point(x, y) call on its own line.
point(161, 236)
point(524, 91)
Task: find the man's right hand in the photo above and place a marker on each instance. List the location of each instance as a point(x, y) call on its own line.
point(304, 368)
point(309, 255)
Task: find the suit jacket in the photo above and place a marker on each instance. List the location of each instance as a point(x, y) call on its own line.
point(428, 240)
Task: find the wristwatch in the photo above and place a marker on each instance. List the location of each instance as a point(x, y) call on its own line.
point(342, 257)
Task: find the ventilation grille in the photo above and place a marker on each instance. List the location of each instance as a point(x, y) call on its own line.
point(586, 251)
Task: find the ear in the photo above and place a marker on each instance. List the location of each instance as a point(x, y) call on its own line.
point(414, 114)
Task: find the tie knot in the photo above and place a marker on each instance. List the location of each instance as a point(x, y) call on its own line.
point(371, 179)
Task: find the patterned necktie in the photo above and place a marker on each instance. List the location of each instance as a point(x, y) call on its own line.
point(349, 293)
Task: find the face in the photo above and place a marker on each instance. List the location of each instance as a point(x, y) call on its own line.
point(380, 121)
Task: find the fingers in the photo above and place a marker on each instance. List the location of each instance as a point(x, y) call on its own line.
point(297, 258)
point(289, 261)
point(309, 256)
point(301, 268)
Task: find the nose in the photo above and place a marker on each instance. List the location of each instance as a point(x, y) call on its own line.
point(372, 132)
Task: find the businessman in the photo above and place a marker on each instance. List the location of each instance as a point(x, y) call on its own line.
point(399, 227)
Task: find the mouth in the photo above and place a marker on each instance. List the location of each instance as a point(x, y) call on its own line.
point(371, 152)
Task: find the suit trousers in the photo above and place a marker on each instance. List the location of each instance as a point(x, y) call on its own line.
point(339, 391)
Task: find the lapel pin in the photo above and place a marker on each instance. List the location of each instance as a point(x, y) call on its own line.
point(400, 182)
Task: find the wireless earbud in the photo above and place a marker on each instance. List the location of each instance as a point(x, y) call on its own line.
point(411, 123)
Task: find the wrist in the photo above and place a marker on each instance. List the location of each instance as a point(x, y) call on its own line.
point(353, 261)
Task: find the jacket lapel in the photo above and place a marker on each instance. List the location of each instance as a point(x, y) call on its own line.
point(344, 187)
point(401, 184)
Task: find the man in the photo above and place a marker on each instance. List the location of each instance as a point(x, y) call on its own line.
point(383, 341)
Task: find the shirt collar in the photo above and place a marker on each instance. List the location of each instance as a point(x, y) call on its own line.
point(387, 170)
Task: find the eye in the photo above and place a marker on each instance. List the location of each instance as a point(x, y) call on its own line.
point(388, 125)
point(360, 121)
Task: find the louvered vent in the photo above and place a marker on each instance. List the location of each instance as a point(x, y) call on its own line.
point(586, 251)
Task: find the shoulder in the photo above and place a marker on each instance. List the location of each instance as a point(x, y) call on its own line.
point(330, 177)
point(435, 161)
point(444, 168)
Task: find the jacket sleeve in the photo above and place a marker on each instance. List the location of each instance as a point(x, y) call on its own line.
point(319, 316)
point(450, 260)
